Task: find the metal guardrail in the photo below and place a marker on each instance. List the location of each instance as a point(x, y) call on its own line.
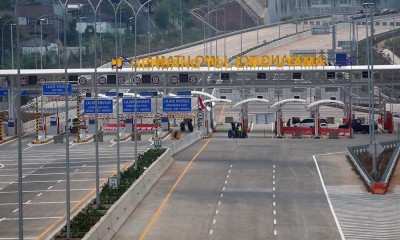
point(392, 163)
point(352, 151)
point(185, 142)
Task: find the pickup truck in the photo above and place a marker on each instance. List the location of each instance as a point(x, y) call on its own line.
point(357, 126)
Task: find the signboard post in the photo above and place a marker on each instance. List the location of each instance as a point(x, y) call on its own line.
point(143, 105)
point(56, 89)
point(104, 106)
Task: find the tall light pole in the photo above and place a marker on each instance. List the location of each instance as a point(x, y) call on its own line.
point(180, 9)
point(135, 54)
point(12, 45)
point(41, 42)
point(2, 41)
point(80, 41)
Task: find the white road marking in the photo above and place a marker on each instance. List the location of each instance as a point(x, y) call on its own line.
point(273, 176)
point(214, 221)
point(84, 165)
point(48, 190)
point(273, 182)
point(229, 171)
point(273, 166)
point(50, 181)
point(274, 212)
point(10, 182)
point(31, 218)
point(226, 182)
point(274, 221)
point(273, 189)
point(223, 189)
point(59, 181)
point(2, 219)
point(113, 143)
point(1, 189)
point(273, 171)
point(35, 203)
point(327, 196)
point(39, 194)
point(41, 167)
point(211, 232)
point(50, 187)
point(273, 195)
point(28, 201)
point(15, 210)
point(216, 212)
point(231, 165)
point(32, 171)
point(275, 232)
point(219, 203)
point(274, 204)
point(1, 165)
point(76, 170)
point(29, 146)
point(47, 174)
point(221, 195)
point(227, 176)
point(23, 176)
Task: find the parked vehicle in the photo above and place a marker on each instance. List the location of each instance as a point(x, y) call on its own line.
point(309, 122)
point(357, 126)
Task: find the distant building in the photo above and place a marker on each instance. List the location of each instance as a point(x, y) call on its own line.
point(34, 45)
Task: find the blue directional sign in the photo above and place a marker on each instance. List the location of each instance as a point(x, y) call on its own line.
point(143, 105)
point(148, 94)
point(24, 93)
point(103, 106)
point(3, 92)
point(341, 59)
point(184, 93)
point(177, 104)
point(111, 94)
point(55, 89)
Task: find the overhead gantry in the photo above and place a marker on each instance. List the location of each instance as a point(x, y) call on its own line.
point(315, 106)
point(278, 106)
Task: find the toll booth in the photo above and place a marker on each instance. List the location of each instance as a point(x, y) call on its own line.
point(12, 127)
point(128, 125)
point(53, 129)
point(279, 130)
point(388, 123)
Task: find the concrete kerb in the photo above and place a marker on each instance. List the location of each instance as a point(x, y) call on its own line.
point(7, 139)
point(120, 211)
point(83, 140)
point(47, 140)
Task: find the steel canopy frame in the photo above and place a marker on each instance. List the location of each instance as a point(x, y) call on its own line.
point(278, 106)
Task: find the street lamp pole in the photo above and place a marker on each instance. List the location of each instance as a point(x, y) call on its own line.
point(2, 41)
point(180, 9)
point(135, 54)
point(80, 41)
point(41, 42)
point(12, 45)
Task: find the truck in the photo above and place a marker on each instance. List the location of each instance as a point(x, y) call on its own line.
point(357, 126)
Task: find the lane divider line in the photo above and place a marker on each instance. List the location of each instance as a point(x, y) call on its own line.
point(157, 213)
point(328, 199)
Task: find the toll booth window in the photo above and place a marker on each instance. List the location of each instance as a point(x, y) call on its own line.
point(262, 76)
point(146, 78)
point(223, 97)
point(183, 77)
point(224, 76)
point(73, 79)
point(88, 94)
point(333, 98)
point(330, 75)
point(296, 97)
point(297, 76)
point(111, 79)
point(260, 97)
point(32, 80)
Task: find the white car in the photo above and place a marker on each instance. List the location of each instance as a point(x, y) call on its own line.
point(309, 122)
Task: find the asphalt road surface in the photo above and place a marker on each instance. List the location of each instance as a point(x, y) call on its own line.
point(44, 180)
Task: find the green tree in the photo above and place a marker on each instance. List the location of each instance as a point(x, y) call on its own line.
point(162, 16)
